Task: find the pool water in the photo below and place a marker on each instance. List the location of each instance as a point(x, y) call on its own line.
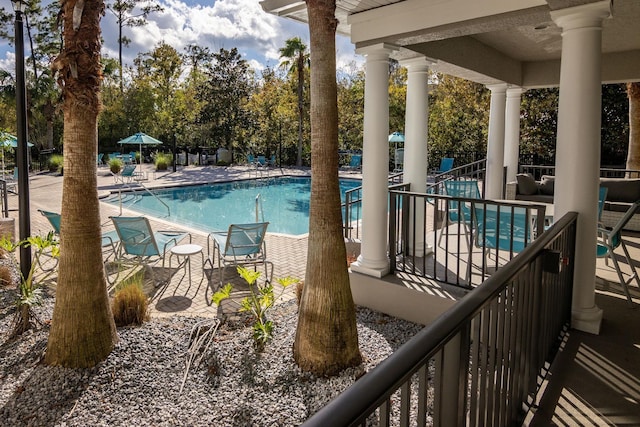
point(212, 207)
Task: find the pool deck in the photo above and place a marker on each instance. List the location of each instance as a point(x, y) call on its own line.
point(176, 295)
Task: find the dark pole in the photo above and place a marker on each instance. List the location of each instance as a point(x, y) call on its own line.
point(175, 153)
point(23, 165)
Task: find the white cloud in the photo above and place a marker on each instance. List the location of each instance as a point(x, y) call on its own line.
point(216, 24)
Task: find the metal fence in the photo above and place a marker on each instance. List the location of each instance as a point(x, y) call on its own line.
point(481, 362)
point(537, 171)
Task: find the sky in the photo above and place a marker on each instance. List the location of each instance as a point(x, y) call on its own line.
point(213, 23)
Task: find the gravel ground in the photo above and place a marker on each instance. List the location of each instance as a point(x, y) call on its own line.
point(139, 382)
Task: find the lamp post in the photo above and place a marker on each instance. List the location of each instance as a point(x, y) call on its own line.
point(21, 120)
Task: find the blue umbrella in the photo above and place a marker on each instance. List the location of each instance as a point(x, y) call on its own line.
point(396, 137)
point(140, 139)
point(9, 141)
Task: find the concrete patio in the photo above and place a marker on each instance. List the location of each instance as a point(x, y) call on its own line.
point(594, 381)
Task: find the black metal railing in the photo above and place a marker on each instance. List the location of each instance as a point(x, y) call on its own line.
point(482, 362)
point(537, 171)
point(4, 199)
point(352, 205)
point(458, 240)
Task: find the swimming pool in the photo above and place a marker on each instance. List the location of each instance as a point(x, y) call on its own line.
point(284, 201)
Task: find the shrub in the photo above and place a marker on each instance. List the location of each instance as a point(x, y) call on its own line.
point(130, 304)
point(56, 162)
point(261, 300)
point(115, 165)
point(162, 161)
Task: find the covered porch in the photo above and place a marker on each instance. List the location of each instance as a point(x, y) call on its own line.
point(509, 46)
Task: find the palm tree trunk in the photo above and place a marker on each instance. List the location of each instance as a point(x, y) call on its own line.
point(633, 156)
point(82, 329)
point(326, 338)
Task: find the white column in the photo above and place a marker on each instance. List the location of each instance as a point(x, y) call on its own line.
point(495, 146)
point(373, 259)
point(578, 147)
point(415, 141)
point(512, 132)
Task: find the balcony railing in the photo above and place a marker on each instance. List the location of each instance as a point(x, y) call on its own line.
point(482, 362)
point(436, 236)
point(538, 170)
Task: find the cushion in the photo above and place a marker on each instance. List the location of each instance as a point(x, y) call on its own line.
point(621, 190)
point(526, 184)
point(547, 184)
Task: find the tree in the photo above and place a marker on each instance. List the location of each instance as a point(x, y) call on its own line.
point(326, 339)
point(458, 120)
point(633, 156)
point(296, 51)
point(82, 328)
point(229, 84)
point(351, 111)
point(123, 11)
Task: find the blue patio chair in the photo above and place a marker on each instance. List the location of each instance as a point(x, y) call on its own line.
point(242, 244)
point(446, 164)
point(251, 160)
point(504, 228)
point(355, 162)
point(262, 162)
point(139, 243)
point(609, 239)
point(602, 197)
point(109, 240)
point(459, 212)
point(500, 228)
point(272, 161)
point(99, 159)
point(126, 175)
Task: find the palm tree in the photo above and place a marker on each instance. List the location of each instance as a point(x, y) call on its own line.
point(82, 329)
point(326, 337)
point(296, 51)
point(633, 156)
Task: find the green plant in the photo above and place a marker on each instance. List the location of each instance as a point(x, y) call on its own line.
point(30, 290)
point(56, 162)
point(260, 300)
point(162, 161)
point(115, 165)
point(130, 303)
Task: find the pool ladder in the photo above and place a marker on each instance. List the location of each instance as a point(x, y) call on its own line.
point(137, 197)
point(259, 209)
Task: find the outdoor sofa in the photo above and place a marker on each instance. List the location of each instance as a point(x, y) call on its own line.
point(621, 194)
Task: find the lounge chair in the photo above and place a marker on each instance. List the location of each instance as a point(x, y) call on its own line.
point(609, 239)
point(125, 175)
point(139, 243)
point(446, 164)
point(500, 228)
point(110, 239)
point(356, 162)
point(398, 160)
point(242, 244)
point(459, 212)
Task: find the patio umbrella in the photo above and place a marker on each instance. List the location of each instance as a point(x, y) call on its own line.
point(396, 137)
point(140, 139)
point(9, 141)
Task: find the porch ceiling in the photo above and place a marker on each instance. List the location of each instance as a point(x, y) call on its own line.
point(512, 41)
